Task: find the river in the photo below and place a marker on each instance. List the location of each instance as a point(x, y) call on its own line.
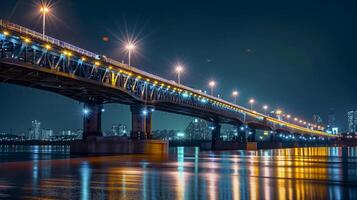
point(50, 172)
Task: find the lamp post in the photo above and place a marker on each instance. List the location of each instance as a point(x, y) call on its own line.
point(235, 94)
point(179, 69)
point(251, 102)
point(129, 47)
point(44, 10)
point(265, 108)
point(212, 84)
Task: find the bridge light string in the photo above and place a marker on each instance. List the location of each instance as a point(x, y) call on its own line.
point(224, 104)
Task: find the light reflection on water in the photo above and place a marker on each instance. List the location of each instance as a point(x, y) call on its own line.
point(186, 173)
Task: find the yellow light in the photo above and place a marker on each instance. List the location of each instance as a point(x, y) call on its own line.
point(83, 59)
point(155, 82)
point(279, 112)
point(27, 40)
point(6, 33)
point(48, 47)
point(110, 67)
point(139, 77)
point(69, 54)
point(44, 9)
point(97, 63)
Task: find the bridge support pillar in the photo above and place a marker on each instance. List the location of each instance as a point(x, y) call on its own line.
point(148, 125)
point(251, 137)
point(241, 134)
point(216, 133)
point(92, 121)
point(141, 122)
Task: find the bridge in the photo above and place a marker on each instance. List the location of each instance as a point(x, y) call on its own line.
point(30, 59)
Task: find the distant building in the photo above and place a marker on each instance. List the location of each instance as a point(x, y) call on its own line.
point(352, 121)
point(198, 129)
point(317, 119)
point(46, 134)
point(118, 130)
point(35, 130)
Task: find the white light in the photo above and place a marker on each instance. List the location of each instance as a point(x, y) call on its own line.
point(102, 110)
point(235, 93)
point(251, 101)
point(86, 111)
point(179, 68)
point(180, 134)
point(130, 46)
point(145, 112)
point(212, 83)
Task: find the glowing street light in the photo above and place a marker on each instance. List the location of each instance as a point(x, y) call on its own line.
point(235, 93)
point(251, 102)
point(178, 70)
point(212, 84)
point(44, 9)
point(129, 47)
point(265, 108)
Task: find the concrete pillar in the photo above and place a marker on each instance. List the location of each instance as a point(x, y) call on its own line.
point(216, 133)
point(148, 125)
point(138, 122)
point(251, 137)
point(141, 122)
point(92, 121)
point(241, 134)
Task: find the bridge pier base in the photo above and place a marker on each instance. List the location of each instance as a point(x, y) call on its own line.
point(92, 121)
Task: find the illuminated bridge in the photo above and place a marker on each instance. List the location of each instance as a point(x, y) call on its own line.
point(30, 59)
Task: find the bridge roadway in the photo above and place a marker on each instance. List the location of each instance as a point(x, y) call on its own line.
point(29, 59)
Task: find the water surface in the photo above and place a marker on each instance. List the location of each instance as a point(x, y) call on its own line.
point(186, 173)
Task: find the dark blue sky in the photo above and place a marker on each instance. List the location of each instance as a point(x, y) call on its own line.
point(298, 56)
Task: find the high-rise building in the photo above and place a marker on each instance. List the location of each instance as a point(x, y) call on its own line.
point(46, 134)
point(198, 129)
point(331, 119)
point(317, 119)
point(352, 121)
point(35, 130)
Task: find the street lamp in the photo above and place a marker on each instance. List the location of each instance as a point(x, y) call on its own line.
point(251, 102)
point(129, 47)
point(179, 69)
point(235, 94)
point(212, 84)
point(265, 108)
point(44, 10)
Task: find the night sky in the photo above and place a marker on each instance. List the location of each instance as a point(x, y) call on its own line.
point(300, 57)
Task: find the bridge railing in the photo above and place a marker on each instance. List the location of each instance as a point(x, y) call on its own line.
point(37, 35)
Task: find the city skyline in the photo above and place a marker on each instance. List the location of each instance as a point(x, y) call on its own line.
point(72, 110)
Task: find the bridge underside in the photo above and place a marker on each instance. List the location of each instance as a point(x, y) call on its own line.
point(84, 90)
point(73, 87)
